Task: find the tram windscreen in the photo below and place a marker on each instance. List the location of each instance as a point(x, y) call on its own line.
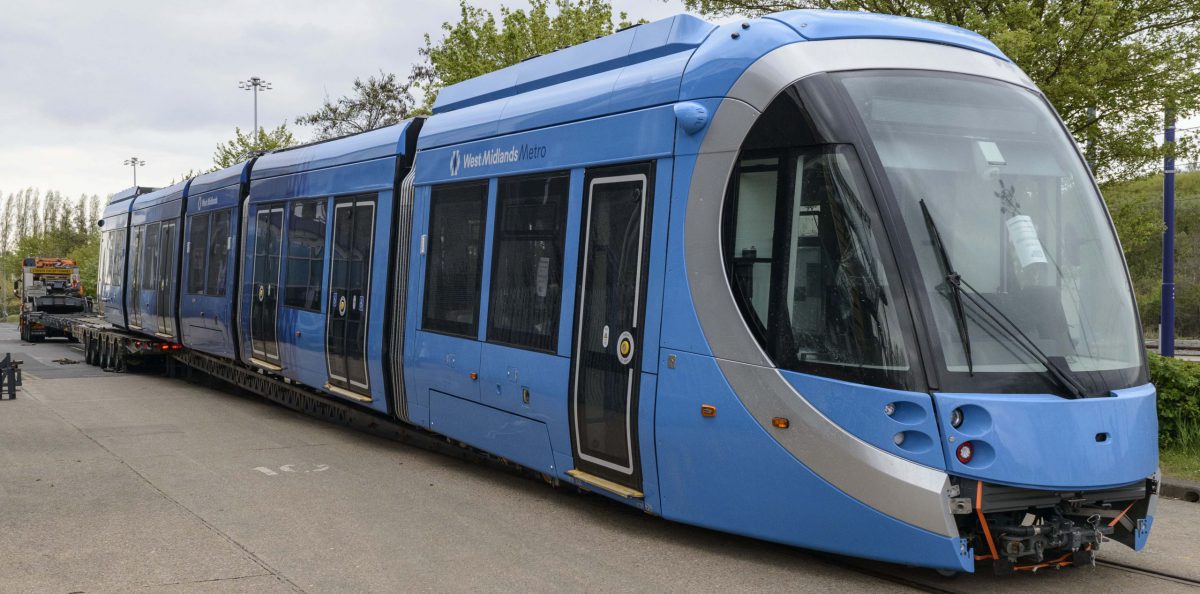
point(1018, 215)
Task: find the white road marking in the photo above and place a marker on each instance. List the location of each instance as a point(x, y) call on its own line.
point(292, 468)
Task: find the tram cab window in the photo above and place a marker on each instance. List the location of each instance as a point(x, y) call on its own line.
point(306, 255)
point(801, 239)
point(526, 286)
point(805, 266)
point(454, 259)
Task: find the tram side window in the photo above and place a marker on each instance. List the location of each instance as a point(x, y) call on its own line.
point(454, 259)
point(208, 259)
point(526, 286)
point(197, 248)
point(805, 268)
point(218, 254)
point(306, 255)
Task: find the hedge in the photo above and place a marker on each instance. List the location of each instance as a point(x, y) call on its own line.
point(1178, 384)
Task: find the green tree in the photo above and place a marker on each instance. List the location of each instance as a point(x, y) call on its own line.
point(243, 146)
point(52, 230)
point(1136, 207)
point(376, 103)
point(1127, 59)
point(480, 42)
point(87, 255)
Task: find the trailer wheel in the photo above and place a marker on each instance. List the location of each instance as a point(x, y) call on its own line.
point(104, 358)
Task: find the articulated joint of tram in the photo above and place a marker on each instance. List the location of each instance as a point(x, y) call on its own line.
point(1021, 529)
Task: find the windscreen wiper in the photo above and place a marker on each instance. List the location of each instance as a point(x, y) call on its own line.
point(998, 318)
point(1056, 366)
point(952, 280)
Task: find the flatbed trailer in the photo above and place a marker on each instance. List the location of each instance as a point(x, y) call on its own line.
point(105, 345)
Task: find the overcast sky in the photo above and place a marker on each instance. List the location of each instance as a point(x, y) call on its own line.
point(86, 84)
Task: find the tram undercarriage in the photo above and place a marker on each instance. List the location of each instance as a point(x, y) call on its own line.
point(1019, 529)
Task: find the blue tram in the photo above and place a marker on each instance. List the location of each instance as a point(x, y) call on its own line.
point(836, 280)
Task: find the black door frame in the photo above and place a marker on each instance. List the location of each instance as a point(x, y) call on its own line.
point(261, 355)
point(167, 270)
point(335, 301)
point(137, 235)
point(631, 475)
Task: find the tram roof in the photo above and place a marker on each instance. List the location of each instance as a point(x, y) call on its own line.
point(161, 195)
point(374, 144)
point(215, 180)
point(651, 64)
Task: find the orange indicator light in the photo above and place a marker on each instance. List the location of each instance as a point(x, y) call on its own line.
point(781, 423)
point(708, 410)
point(474, 375)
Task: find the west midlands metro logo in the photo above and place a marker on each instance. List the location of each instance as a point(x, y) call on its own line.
point(496, 156)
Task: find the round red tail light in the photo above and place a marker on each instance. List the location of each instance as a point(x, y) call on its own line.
point(965, 452)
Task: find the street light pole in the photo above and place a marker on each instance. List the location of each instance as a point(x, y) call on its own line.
point(134, 161)
point(1166, 328)
point(255, 84)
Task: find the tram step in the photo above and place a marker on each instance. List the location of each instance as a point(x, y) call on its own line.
point(605, 484)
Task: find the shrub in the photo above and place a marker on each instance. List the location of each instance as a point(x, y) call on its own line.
point(1178, 384)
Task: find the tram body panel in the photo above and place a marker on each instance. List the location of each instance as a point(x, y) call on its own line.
point(316, 277)
point(156, 225)
point(1046, 442)
point(210, 260)
point(452, 345)
point(114, 257)
point(728, 473)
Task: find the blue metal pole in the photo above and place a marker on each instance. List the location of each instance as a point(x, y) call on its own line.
point(1166, 332)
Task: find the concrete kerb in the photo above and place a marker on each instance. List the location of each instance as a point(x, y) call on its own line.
point(1180, 489)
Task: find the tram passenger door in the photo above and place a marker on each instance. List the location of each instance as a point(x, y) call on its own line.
point(168, 254)
point(264, 299)
point(606, 357)
point(133, 273)
point(349, 287)
point(148, 273)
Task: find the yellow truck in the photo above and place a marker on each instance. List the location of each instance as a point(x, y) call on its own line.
point(50, 294)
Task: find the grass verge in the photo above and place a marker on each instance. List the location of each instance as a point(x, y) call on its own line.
point(1183, 463)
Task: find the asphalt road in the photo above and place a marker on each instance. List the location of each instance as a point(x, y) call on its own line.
point(118, 482)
